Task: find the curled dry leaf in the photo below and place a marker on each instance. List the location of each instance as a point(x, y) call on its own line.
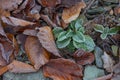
point(49, 3)
point(37, 55)
point(70, 14)
point(20, 67)
point(62, 69)
point(46, 38)
point(16, 22)
point(83, 57)
point(108, 62)
point(10, 4)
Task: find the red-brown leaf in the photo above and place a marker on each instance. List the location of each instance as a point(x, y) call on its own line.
point(83, 57)
point(62, 69)
point(20, 67)
point(37, 55)
point(46, 38)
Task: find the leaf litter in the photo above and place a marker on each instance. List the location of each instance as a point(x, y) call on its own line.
point(28, 38)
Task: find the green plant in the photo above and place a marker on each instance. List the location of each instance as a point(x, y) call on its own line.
point(74, 37)
point(105, 31)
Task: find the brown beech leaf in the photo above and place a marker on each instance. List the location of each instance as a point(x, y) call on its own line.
point(62, 69)
point(2, 33)
point(10, 5)
point(37, 55)
point(49, 3)
point(83, 57)
point(70, 14)
point(4, 13)
point(2, 60)
point(6, 49)
point(20, 67)
point(46, 38)
point(30, 32)
point(16, 22)
point(3, 70)
point(14, 43)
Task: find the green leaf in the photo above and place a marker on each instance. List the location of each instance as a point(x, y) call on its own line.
point(56, 31)
point(89, 43)
point(103, 36)
point(77, 25)
point(78, 37)
point(92, 72)
point(106, 30)
point(113, 30)
point(82, 30)
point(80, 45)
point(64, 43)
point(62, 36)
point(69, 33)
point(71, 47)
point(99, 28)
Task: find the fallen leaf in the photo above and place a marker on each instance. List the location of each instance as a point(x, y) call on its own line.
point(4, 13)
point(82, 57)
point(2, 30)
point(30, 32)
point(49, 3)
point(10, 5)
point(6, 49)
point(3, 70)
point(116, 68)
point(62, 69)
point(70, 14)
point(46, 38)
point(2, 60)
point(16, 22)
point(108, 62)
point(37, 55)
point(91, 72)
point(106, 77)
point(69, 3)
point(20, 67)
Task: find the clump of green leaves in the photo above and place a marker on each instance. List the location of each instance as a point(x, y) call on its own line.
point(105, 31)
point(74, 37)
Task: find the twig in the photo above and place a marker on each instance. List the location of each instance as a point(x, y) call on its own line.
point(48, 20)
point(90, 4)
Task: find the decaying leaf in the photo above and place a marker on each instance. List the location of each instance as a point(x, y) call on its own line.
point(20, 67)
point(10, 4)
point(16, 22)
point(108, 62)
point(70, 14)
point(62, 69)
point(83, 57)
point(37, 55)
point(46, 38)
point(49, 3)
